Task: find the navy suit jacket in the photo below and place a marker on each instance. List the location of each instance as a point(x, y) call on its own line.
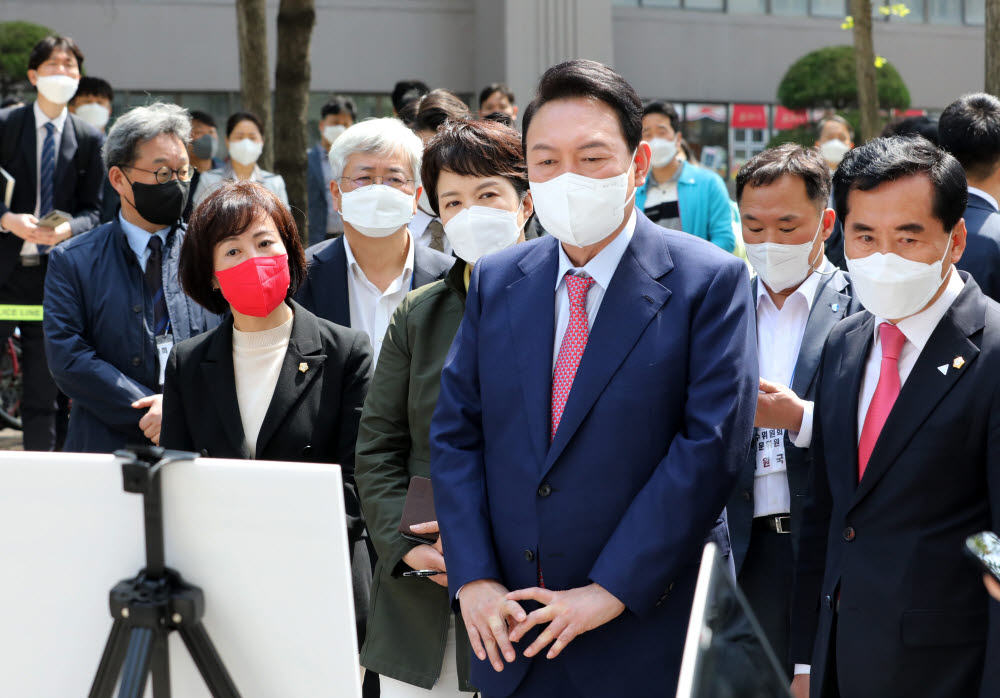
point(833, 302)
point(324, 292)
point(654, 432)
point(914, 618)
point(317, 187)
point(982, 247)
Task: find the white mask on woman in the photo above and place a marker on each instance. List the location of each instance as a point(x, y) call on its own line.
point(58, 89)
point(377, 210)
point(782, 266)
point(833, 150)
point(246, 151)
point(481, 230)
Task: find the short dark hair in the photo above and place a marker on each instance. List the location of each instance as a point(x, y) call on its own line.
point(922, 126)
point(590, 79)
point(436, 107)
point(890, 159)
point(339, 105)
point(500, 117)
point(768, 166)
point(658, 106)
point(970, 130)
point(407, 90)
point(44, 49)
point(493, 88)
point(474, 149)
point(229, 211)
point(96, 87)
point(203, 117)
point(837, 119)
point(239, 116)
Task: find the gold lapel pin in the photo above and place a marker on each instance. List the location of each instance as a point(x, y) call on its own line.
point(958, 362)
point(303, 367)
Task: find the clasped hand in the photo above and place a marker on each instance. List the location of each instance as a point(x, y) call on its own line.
point(778, 407)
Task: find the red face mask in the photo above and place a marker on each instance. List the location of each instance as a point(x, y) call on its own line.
point(257, 286)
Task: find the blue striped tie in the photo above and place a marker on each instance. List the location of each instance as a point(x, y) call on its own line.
point(154, 282)
point(46, 177)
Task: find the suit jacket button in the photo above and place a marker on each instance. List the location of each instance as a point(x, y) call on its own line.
point(746, 495)
point(136, 308)
point(529, 556)
point(307, 450)
point(136, 361)
point(544, 491)
point(849, 534)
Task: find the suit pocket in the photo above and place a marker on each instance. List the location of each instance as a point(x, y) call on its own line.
point(942, 628)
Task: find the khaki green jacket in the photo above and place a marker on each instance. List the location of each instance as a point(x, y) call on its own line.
point(408, 618)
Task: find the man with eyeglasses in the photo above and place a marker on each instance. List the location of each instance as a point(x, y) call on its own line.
point(51, 163)
point(113, 304)
point(358, 279)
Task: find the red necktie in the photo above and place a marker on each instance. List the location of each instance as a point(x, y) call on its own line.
point(886, 392)
point(573, 344)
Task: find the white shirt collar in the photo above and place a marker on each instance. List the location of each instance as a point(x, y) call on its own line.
point(918, 328)
point(352, 263)
point(982, 194)
point(41, 119)
point(806, 290)
point(602, 267)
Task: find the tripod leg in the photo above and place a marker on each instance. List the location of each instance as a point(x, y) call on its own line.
point(161, 667)
point(111, 662)
point(137, 663)
point(207, 659)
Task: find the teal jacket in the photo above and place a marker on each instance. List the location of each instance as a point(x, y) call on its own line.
point(704, 205)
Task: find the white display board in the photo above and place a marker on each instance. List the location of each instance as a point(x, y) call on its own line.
point(266, 542)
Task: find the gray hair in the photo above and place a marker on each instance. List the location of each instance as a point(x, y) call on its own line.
point(140, 125)
point(379, 137)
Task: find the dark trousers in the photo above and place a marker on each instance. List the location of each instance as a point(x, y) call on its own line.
point(546, 678)
point(766, 580)
point(26, 286)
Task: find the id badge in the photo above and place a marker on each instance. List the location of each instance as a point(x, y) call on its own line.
point(164, 343)
point(770, 448)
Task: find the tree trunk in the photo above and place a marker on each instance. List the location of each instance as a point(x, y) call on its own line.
point(993, 47)
point(296, 19)
point(864, 66)
point(255, 84)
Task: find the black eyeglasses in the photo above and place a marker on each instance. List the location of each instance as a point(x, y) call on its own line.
point(165, 174)
point(395, 181)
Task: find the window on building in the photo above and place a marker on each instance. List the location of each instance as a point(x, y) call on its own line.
point(747, 7)
point(975, 12)
point(828, 8)
point(944, 11)
point(712, 5)
point(790, 8)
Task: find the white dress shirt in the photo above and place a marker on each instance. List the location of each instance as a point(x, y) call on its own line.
point(917, 329)
point(371, 309)
point(30, 248)
point(418, 229)
point(779, 338)
point(985, 195)
point(602, 267)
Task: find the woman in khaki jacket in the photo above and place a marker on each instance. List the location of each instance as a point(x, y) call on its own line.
point(477, 183)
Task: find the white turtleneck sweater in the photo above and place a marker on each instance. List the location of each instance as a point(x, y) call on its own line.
point(257, 358)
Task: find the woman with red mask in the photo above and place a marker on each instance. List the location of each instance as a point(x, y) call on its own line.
point(273, 381)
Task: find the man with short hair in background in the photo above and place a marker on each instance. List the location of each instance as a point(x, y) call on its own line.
point(337, 115)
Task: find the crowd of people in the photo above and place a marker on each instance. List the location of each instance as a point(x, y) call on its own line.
point(555, 327)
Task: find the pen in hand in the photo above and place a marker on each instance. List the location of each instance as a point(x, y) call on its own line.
point(422, 573)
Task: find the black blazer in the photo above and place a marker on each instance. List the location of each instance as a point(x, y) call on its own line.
point(833, 302)
point(914, 618)
point(79, 174)
point(982, 246)
point(325, 290)
point(313, 415)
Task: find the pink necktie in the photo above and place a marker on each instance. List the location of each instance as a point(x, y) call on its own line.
point(886, 392)
point(573, 344)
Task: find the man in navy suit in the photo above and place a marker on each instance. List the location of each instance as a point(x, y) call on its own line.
point(337, 115)
point(906, 445)
point(55, 160)
point(595, 409)
point(969, 129)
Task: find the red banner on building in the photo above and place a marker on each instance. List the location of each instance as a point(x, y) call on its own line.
point(785, 119)
point(749, 116)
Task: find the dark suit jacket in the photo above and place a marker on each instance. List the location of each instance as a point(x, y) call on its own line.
point(654, 433)
point(313, 415)
point(325, 289)
point(831, 303)
point(914, 618)
point(79, 175)
point(982, 247)
point(318, 189)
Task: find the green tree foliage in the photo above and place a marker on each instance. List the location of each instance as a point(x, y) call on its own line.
point(16, 41)
point(827, 78)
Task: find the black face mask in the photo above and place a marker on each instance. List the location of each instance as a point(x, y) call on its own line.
point(205, 147)
point(161, 204)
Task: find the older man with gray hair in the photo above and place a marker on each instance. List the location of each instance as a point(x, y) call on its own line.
point(359, 278)
point(113, 305)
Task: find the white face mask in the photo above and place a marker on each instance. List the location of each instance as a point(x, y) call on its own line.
point(782, 266)
point(833, 150)
point(893, 287)
point(332, 133)
point(481, 230)
point(58, 89)
point(664, 151)
point(580, 210)
point(377, 210)
point(424, 203)
point(246, 152)
point(95, 114)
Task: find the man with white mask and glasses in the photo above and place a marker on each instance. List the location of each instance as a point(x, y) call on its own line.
point(800, 296)
point(906, 446)
point(595, 409)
